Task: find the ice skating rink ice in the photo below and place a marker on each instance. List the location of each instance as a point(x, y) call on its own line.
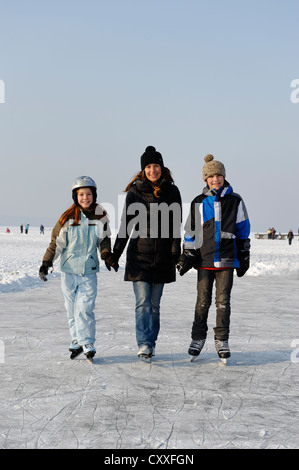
point(48, 401)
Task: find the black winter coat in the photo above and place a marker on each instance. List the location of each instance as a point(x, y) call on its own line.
point(151, 255)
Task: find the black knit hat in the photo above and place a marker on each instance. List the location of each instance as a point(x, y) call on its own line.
point(151, 156)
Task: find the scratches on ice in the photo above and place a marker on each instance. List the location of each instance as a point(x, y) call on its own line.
point(49, 401)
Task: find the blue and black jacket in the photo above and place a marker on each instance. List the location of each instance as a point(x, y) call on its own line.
point(217, 228)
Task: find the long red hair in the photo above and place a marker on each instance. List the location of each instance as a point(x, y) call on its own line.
point(72, 212)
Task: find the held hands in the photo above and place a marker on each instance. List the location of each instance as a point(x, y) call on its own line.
point(44, 270)
point(111, 261)
point(186, 262)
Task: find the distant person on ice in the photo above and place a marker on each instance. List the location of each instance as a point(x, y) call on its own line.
point(216, 241)
point(269, 233)
point(290, 236)
point(80, 231)
point(152, 253)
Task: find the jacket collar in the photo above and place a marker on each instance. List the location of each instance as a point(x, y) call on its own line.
point(146, 187)
point(223, 191)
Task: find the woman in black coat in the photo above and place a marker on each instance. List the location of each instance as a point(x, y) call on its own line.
point(152, 221)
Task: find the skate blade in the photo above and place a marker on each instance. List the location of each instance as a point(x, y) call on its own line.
point(193, 358)
point(225, 361)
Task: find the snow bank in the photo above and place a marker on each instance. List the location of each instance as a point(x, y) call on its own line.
point(274, 257)
point(21, 256)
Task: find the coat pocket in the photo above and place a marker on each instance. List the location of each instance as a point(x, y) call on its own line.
point(66, 261)
point(92, 263)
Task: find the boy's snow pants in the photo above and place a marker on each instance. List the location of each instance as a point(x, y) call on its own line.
point(79, 299)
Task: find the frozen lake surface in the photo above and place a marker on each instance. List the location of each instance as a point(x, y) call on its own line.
point(48, 401)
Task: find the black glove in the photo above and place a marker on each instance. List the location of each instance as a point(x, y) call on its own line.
point(111, 261)
point(186, 262)
point(244, 256)
point(44, 270)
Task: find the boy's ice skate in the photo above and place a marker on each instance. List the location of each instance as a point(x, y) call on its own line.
point(223, 350)
point(195, 348)
point(75, 349)
point(145, 353)
point(89, 351)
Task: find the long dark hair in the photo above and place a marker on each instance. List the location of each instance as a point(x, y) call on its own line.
point(166, 175)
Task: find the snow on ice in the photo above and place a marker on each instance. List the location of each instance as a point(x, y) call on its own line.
point(21, 256)
point(48, 401)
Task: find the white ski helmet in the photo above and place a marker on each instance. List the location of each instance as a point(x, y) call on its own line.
point(84, 182)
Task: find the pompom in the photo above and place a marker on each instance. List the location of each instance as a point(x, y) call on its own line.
point(150, 148)
point(209, 158)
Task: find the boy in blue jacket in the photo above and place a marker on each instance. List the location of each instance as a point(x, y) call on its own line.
point(216, 242)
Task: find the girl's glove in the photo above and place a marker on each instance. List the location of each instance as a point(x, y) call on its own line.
point(44, 270)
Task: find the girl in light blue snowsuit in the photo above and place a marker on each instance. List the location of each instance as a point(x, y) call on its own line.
point(80, 231)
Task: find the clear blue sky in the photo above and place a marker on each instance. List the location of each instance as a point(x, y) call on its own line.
point(89, 84)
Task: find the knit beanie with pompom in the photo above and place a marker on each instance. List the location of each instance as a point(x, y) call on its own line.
point(212, 167)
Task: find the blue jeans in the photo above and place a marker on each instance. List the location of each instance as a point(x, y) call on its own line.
point(147, 312)
point(79, 299)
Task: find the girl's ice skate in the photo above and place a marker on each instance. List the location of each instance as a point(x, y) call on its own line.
point(89, 351)
point(75, 349)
